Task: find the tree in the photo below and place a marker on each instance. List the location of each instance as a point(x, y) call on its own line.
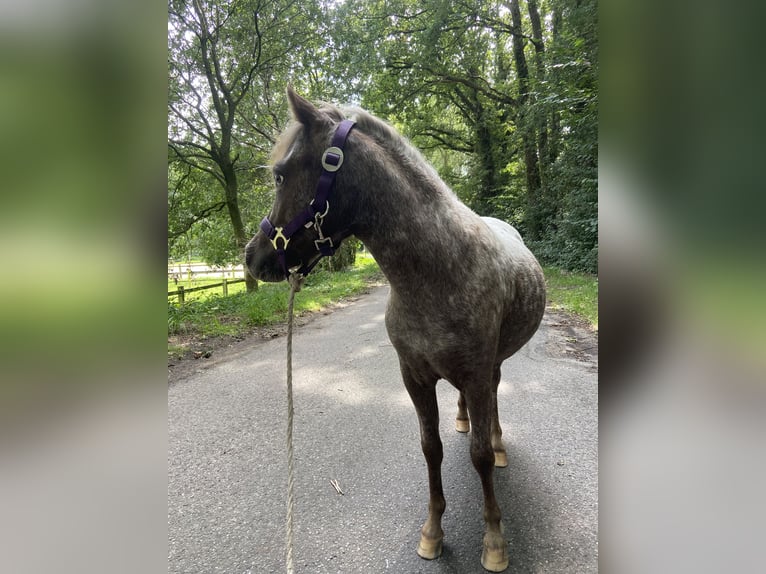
point(572, 102)
point(426, 67)
point(190, 199)
point(501, 95)
point(219, 123)
point(526, 125)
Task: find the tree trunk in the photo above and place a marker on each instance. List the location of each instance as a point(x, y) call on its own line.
point(555, 125)
point(540, 119)
point(526, 126)
point(487, 169)
point(547, 202)
point(232, 204)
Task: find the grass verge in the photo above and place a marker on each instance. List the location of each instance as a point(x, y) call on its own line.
point(575, 293)
point(216, 315)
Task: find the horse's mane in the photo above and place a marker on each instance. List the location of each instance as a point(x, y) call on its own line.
point(381, 132)
point(390, 139)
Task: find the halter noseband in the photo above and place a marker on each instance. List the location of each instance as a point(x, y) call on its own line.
point(314, 214)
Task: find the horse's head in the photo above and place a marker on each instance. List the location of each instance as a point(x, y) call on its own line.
point(306, 221)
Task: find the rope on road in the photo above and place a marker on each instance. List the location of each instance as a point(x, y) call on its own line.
point(296, 282)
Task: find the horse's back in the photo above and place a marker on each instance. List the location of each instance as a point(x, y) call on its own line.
point(504, 231)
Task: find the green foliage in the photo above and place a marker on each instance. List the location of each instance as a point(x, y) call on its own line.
point(514, 141)
point(444, 73)
point(571, 237)
point(344, 257)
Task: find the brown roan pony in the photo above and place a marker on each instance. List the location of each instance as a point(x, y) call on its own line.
point(466, 293)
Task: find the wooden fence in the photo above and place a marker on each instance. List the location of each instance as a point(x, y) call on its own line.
point(179, 270)
point(181, 293)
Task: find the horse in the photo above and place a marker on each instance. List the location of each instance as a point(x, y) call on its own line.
point(465, 291)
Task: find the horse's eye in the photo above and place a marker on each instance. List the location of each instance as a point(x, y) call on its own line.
point(279, 179)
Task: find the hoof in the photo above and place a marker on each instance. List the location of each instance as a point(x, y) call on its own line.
point(494, 559)
point(501, 459)
point(430, 548)
point(462, 425)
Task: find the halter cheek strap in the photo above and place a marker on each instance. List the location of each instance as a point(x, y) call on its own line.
point(314, 214)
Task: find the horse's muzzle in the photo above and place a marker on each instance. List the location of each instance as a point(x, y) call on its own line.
point(261, 260)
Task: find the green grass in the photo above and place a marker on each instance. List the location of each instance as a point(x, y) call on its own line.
point(214, 315)
point(575, 293)
point(175, 351)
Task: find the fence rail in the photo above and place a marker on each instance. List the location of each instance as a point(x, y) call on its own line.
point(176, 271)
point(181, 293)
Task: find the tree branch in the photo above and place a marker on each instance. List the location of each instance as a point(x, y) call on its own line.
point(196, 217)
point(447, 138)
point(476, 82)
point(210, 135)
point(186, 158)
point(208, 153)
point(211, 75)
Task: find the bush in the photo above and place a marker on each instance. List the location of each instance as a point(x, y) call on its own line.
point(344, 258)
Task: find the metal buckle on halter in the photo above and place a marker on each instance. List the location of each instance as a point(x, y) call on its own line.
point(336, 151)
point(318, 226)
point(279, 235)
point(318, 243)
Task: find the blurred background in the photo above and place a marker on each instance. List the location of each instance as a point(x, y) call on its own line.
point(682, 272)
point(83, 147)
point(83, 88)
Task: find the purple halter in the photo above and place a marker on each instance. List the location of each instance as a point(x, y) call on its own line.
point(314, 214)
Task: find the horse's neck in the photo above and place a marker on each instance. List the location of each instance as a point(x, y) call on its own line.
point(416, 233)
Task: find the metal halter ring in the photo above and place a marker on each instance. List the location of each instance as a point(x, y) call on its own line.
point(336, 151)
point(321, 216)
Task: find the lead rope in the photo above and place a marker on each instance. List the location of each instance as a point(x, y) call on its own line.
point(296, 282)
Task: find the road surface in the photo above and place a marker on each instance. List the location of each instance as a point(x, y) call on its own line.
point(354, 423)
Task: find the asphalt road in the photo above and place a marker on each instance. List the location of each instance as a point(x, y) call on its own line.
point(354, 422)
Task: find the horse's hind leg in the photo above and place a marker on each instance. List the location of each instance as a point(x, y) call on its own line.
point(501, 458)
point(482, 409)
point(462, 422)
point(423, 395)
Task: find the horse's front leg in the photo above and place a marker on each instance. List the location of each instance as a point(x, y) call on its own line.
point(422, 391)
point(480, 403)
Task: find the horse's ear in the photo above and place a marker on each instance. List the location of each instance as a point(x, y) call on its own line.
point(303, 110)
